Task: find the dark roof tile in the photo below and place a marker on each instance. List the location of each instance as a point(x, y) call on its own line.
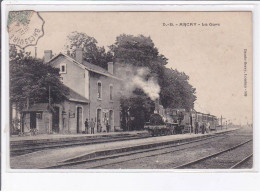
point(96, 68)
point(74, 96)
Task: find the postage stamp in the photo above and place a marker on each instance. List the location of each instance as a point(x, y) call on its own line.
point(25, 28)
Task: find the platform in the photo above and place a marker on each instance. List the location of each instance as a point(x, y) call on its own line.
point(47, 137)
point(46, 158)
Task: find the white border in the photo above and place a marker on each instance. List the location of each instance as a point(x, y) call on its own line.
point(104, 179)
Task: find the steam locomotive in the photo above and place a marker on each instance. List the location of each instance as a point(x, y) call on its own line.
point(178, 121)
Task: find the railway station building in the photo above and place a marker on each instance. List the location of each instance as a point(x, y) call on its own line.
point(94, 93)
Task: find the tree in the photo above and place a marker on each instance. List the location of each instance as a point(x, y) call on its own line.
point(17, 54)
point(30, 79)
point(91, 52)
point(176, 92)
point(139, 52)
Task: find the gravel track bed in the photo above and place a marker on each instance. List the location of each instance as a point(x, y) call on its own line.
point(190, 152)
point(142, 155)
point(171, 160)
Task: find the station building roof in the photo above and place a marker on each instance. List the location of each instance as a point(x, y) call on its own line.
point(76, 97)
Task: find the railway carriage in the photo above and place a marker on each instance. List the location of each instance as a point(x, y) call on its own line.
point(213, 122)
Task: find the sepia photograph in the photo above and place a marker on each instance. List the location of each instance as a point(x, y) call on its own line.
point(130, 90)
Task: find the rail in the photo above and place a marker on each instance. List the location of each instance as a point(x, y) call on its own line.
point(210, 156)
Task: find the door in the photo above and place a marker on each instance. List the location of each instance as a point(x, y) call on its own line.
point(111, 120)
point(33, 120)
point(79, 119)
point(56, 120)
point(99, 120)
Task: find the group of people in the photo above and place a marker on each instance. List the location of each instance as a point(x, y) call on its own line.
point(92, 124)
point(205, 127)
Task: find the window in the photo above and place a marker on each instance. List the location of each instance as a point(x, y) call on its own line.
point(111, 92)
point(63, 68)
point(99, 90)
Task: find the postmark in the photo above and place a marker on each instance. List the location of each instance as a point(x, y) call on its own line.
point(25, 28)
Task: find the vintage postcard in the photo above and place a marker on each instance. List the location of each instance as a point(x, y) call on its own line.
point(130, 90)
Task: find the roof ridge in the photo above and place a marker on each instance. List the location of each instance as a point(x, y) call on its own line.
point(106, 73)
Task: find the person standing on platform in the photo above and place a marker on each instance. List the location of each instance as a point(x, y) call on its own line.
point(203, 128)
point(196, 127)
point(107, 126)
point(86, 126)
point(208, 127)
point(92, 126)
point(99, 128)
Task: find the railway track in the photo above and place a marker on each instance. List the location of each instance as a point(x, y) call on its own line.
point(30, 146)
point(191, 144)
point(241, 162)
point(186, 165)
point(17, 150)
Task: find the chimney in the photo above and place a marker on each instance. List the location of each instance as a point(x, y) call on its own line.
point(47, 55)
point(79, 55)
point(110, 67)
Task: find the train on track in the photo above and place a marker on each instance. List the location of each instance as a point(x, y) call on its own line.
point(178, 121)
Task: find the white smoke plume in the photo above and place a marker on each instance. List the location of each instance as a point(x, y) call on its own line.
point(136, 78)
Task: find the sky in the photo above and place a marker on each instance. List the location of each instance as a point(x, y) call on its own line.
point(212, 56)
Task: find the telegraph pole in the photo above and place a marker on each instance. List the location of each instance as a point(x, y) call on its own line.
point(49, 95)
point(226, 124)
point(50, 109)
point(50, 122)
point(49, 88)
